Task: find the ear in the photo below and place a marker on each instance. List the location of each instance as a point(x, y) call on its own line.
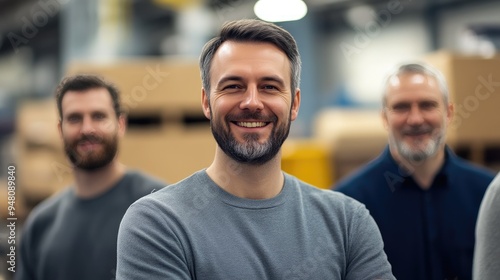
point(122, 124)
point(450, 112)
point(385, 122)
point(205, 103)
point(59, 128)
point(295, 105)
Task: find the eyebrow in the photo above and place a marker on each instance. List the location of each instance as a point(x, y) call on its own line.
point(72, 114)
point(272, 78)
point(79, 113)
point(229, 78)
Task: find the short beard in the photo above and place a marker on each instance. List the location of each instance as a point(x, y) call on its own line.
point(92, 161)
point(250, 152)
point(418, 155)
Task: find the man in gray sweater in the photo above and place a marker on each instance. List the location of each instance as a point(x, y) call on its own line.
point(72, 235)
point(487, 250)
point(242, 217)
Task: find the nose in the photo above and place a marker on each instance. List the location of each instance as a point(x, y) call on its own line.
point(87, 126)
point(252, 100)
point(415, 116)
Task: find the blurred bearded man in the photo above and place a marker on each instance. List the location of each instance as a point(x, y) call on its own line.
point(72, 235)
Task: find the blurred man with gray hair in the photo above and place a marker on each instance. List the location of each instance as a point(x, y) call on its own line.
point(424, 199)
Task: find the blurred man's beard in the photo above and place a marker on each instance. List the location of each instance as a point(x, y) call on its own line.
point(416, 155)
point(94, 159)
point(251, 151)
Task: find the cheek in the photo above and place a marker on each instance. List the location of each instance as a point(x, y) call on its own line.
point(395, 123)
point(108, 126)
point(222, 107)
point(439, 120)
point(281, 107)
point(69, 132)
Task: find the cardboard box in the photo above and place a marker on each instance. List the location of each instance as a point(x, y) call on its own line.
point(41, 173)
point(169, 86)
point(355, 136)
point(170, 153)
point(36, 125)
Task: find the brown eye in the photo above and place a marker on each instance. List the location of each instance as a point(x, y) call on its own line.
point(232, 88)
point(401, 107)
point(73, 118)
point(428, 105)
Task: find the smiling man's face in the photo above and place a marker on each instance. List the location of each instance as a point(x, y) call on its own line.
point(250, 104)
point(416, 116)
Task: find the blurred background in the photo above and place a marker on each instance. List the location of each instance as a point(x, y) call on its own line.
point(149, 49)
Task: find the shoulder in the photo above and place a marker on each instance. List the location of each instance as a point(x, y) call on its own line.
point(495, 184)
point(369, 173)
point(468, 173)
point(333, 201)
point(142, 184)
point(490, 204)
point(166, 209)
point(47, 210)
point(494, 188)
point(471, 168)
point(175, 195)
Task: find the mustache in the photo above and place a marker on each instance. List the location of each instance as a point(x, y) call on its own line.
point(258, 116)
point(417, 130)
point(90, 138)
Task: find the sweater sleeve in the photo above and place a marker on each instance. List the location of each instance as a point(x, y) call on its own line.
point(366, 259)
point(25, 267)
point(148, 245)
point(487, 248)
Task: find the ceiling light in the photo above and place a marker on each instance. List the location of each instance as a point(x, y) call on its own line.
point(280, 10)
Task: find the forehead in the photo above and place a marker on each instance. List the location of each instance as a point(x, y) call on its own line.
point(412, 86)
point(95, 99)
point(249, 58)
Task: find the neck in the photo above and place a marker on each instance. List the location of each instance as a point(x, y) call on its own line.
point(245, 180)
point(90, 184)
point(423, 172)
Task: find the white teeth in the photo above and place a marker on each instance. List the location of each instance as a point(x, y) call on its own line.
point(251, 124)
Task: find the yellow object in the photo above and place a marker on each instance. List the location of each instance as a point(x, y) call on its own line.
point(177, 4)
point(308, 160)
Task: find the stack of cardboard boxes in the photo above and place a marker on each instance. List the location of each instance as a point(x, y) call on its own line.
point(42, 168)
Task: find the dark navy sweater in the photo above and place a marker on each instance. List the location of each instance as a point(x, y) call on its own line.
point(428, 234)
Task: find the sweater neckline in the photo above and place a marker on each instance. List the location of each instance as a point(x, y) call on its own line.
point(246, 203)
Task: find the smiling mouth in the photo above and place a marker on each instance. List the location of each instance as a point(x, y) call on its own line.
point(416, 134)
point(251, 124)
